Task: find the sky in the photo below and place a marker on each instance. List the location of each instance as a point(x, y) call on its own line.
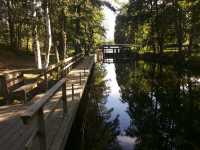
point(110, 17)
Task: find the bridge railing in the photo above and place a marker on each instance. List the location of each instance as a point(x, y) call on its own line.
point(34, 117)
point(61, 68)
point(44, 76)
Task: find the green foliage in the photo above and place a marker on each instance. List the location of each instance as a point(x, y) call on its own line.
point(163, 105)
point(81, 21)
point(159, 25)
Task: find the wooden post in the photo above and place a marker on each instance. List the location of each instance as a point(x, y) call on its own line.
point(113, 53)
point(63, 73)
point(89, 96)
point(84, 72)
point(64, 98)
point(103, 54)
point(58, 73)
point(46, 79)
point(24, 97)
point(5, 90)
point(72, 92)
point(80, 78)
point(41, 130)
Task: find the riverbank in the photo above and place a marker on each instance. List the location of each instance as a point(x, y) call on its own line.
point(185, 60)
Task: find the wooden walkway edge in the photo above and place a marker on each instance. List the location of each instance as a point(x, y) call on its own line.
point(58, 113)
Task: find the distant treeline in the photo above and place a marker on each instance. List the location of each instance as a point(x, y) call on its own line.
point(160, 25)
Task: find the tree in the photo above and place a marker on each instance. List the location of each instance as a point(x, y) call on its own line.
point(35, 38)
point(158, 25)
point(64, 27)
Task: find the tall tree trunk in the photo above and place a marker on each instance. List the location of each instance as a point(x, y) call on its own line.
point(78, 24)
point(191, 34)
point(64, 44)
point(27, 43)
point(161, 43)
point(157, 27)
point(63, 41)
point(48, 41)
point(55, 42)
point(56, 53)
point(190, 43)
point(35, 40)
point(179, 35)
point(19, 35)
point(178, 26)
point(11, 25)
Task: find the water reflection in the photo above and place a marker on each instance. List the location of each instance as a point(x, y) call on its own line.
point(164, 106)
point(140, 106)
point(94, 129)
point(119, 107)
point(114, 98)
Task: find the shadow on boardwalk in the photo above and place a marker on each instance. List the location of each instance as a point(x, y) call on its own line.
point(15, 135)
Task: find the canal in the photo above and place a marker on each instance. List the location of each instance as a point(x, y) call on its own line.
point(139, 106)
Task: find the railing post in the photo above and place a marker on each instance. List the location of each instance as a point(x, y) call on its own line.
point(80, 78)
point(58, 69)
point(41, 130)
point(4, 88)
point(64, 98)
point(103, 54)
point(72, 92)
point(46, 78)
point(63, 73)
point(84, 72)
point(113, 52)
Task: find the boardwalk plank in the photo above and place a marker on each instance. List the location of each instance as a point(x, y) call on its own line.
point(14, 134)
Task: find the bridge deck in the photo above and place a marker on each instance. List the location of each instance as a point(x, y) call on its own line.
point(15, 135)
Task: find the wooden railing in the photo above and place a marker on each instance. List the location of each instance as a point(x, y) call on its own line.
point(51, 67)
point(44, 74)
point(34, 116)
point(61, 68)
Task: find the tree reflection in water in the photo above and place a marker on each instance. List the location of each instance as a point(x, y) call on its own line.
point(164, 106)
point(93, 129)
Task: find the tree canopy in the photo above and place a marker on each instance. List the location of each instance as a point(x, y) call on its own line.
point(158, 25)
point(62, 27)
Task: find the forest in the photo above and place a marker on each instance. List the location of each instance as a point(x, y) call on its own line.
point(65, 27)
point(65, 85)
point(160, 25)
point(45, 27)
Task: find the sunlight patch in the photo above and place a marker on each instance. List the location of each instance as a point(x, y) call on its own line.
point(127, 142)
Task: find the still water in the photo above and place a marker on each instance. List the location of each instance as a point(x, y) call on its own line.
point(139, 106)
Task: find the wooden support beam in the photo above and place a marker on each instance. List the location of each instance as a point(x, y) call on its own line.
point(84, 72)
point(80, 78)
point(33, 109)
point(42, 130)
point(64, 99)
point(46, 79)
point(72, 92)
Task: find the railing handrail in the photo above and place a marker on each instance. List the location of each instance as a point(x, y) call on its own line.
point(67, 60)
point(34, 116)
point(50, 67)
point(64, 63)
point(34, 108)
point(40, 103)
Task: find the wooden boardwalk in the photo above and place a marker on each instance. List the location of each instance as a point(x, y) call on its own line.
point(15, 135)
point(117, 53)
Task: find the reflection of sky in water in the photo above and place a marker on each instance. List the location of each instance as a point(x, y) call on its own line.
point(113, 101)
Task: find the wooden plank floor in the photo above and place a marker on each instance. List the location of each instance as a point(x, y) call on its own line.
point(14, 134)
